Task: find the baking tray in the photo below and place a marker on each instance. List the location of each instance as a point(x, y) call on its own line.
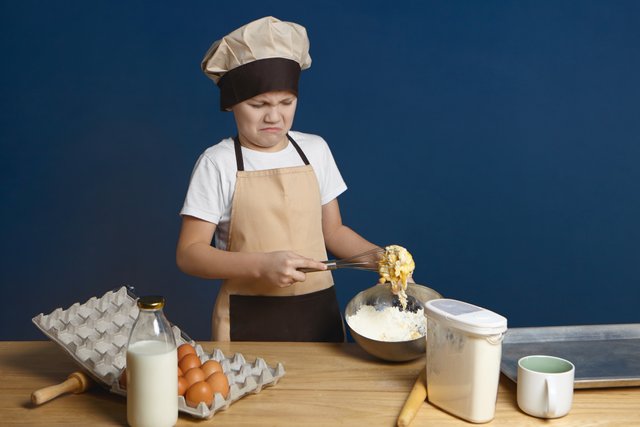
point(604, 355)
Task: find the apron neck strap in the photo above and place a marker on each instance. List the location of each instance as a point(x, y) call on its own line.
point(236, 145)
point(299, 150)
point(238, 149)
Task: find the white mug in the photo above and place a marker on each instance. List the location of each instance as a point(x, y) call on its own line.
point(545, 386)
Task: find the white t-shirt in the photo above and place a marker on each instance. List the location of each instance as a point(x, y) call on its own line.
point(213, 180)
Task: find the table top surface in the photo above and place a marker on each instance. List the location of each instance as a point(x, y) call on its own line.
point(324, 384)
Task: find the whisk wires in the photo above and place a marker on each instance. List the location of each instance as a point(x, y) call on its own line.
point(368, 260)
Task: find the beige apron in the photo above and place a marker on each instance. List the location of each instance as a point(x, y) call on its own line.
point(273, 210)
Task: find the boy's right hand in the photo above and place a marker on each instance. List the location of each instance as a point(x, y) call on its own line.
point(281, 267)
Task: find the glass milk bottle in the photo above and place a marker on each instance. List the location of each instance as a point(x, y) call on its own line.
point(152, 368)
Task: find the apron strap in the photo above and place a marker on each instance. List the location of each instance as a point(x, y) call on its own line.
point(299, 150)
point(236, 145)
point(238, 149)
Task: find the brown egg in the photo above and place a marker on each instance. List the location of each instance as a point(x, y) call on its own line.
point(183, 385)
point(122, 381)
point(219, 383)
point(180, 373)
point(199, 392)
point(189, 361)
point(209, 367)
point(185, 349)
point(194, 375)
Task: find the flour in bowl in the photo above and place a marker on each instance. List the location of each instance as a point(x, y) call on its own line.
point(388, 324)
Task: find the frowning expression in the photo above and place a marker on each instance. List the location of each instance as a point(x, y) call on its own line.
point(264, 120)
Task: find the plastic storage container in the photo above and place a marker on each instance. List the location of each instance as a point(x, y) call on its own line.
point(464, 347)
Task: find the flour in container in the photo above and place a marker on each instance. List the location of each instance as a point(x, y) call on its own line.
point(388, 324)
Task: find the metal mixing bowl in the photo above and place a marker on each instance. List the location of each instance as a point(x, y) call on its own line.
point(380, 296)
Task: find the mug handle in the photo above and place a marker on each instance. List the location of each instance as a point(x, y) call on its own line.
point(552, 397)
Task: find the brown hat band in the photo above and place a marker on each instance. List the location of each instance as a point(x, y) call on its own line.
point(254, 78)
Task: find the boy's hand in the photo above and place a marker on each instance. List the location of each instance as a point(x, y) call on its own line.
point(281, 267)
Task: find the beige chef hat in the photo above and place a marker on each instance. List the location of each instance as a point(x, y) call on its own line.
point(262, 56)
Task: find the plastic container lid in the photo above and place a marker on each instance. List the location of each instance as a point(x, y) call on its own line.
point(466, 317)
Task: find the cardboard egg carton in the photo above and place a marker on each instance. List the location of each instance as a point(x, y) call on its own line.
point(96, 334)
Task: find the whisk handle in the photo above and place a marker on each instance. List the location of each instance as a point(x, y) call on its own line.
point(331, 265)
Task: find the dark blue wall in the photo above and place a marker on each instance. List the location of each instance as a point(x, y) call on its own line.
point(498, 141)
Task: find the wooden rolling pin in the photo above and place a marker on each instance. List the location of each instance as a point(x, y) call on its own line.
point(77, 382)
point(416, 398)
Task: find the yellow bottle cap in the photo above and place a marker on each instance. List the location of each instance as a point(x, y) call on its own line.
point(151, 302)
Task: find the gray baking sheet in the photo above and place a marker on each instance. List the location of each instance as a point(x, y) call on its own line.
point(604, 355)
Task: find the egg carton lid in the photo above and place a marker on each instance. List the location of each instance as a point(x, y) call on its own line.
point(95, 333)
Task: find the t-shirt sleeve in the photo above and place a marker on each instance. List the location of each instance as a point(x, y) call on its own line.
point(205, 196)
point(332, 184)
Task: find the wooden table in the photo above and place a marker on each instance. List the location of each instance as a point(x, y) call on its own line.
point(324, 384)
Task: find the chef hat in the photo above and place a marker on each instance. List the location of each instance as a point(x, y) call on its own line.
point(262, 56)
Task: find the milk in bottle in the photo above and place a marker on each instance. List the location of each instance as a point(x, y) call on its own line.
point(152, 368)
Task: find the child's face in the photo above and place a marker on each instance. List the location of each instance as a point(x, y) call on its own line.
point(264, 120)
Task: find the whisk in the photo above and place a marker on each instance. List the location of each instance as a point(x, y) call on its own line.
point(365, 261)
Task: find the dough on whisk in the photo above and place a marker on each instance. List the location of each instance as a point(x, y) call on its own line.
point(395, 266)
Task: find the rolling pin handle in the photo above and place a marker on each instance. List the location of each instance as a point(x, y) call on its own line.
point(77, 382)
point(416, 398)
